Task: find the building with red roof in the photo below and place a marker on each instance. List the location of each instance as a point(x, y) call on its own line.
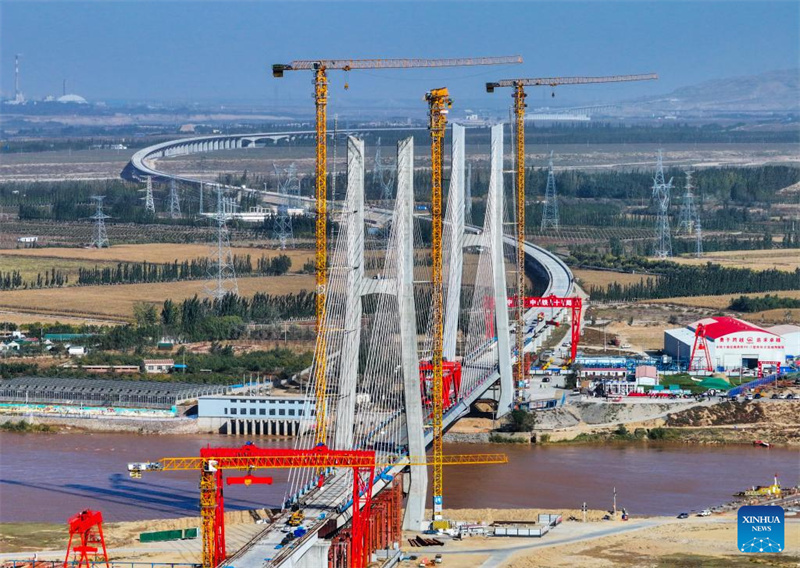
point(732, 343)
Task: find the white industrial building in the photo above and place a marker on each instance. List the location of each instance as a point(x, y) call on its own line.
point(791, 338)
point(251, 415)
point(732, 343)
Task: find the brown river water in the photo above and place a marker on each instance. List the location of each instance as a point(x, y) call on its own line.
point(49, 477)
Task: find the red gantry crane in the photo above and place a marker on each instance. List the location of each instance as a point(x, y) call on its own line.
point(87, 526)
point(213, 461)
point(700, 350)
point(519, 114)
point(320, 68)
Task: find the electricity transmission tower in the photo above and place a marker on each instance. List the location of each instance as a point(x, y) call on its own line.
point(100, 235)
point(468, 196)
point(222, 274)
point(661, 198)
point(383, 175)
point(202, 190)
point(689, 220)
point(688, 215)
point(149, 204)
point(174, 202)
point(287, 187)
point(550, 211)
point(698, 236)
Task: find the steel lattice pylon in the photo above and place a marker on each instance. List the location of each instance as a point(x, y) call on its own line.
point(661, 198)
point(100, 235)
point(550, 210)
point(222, 274)
point(689, 220)
point(149, 204)
point(289, 186)
point(384, 174)
point(687, 216)
point(174, 201)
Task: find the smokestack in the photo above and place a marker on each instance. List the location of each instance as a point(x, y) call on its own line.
point(16, 75)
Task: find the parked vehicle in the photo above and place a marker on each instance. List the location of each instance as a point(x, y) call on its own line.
point(683, 516)
point(704, 513)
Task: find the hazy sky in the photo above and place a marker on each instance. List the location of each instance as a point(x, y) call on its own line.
point(201, 50)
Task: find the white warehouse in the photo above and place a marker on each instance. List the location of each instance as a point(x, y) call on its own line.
point(732, 343)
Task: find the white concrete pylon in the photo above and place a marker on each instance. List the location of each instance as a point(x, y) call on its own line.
point(455, 238)
point(353, 223)
point(494, 212)
point(404, 219)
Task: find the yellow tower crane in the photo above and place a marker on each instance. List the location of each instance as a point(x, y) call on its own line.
point(439, 103)
point(320, 67)
point(519, 118)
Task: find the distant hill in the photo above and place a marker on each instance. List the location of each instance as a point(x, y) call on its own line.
point(773, 91)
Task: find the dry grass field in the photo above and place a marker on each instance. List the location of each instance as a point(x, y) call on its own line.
point(587, 278)
point(115, 303)
point(31, 265)
point(720, 302)
point(155, 252)
point(780, 259)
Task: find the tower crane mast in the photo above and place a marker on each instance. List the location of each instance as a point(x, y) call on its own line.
point(439, 104)
point(519, 95)
point(320, 68)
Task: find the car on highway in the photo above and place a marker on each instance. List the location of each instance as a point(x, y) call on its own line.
point(683, 516)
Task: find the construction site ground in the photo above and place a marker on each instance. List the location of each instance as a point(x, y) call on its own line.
point(659, 542)
point(656, 541)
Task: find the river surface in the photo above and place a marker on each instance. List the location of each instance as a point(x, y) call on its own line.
point(48, 477)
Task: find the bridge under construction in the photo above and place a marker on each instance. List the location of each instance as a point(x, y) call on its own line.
point(378, 392)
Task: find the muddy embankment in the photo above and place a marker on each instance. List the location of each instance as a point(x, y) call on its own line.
point(707, 422)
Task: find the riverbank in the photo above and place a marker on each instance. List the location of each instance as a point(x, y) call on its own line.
point(717, 423)
point(107, 425)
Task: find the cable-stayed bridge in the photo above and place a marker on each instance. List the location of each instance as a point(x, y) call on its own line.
point(377, 331)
